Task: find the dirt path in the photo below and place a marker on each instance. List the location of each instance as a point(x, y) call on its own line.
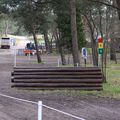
point(87, 107)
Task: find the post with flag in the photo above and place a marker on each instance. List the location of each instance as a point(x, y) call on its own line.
point(100, 46)
point(100, 51)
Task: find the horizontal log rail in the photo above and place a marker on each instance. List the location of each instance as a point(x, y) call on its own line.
point(60, 88)
point(54, 70)
point(60, 68)
point(58, 76)
point(56, 80)
point(89, 78)
point(59, 85)
point(56, 73)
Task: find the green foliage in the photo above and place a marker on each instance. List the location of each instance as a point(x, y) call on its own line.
point(111, 89)
point(28, 14)
point(81, 34)
point(62, 10)
point(3, 8)
point(6, 19)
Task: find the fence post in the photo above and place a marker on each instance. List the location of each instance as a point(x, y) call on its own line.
point(77, 64)
point(39, 110)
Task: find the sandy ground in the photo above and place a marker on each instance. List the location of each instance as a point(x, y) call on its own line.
point(87, 107)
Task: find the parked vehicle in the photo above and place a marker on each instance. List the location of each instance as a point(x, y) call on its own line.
point(27, 52)
point(29, 49)
point(5, 43)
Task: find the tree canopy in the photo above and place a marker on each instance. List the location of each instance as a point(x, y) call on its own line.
point(66, 23)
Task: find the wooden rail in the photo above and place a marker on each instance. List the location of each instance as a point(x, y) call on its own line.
point(89, 78)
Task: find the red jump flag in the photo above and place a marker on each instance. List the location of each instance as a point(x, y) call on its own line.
point(100, 40)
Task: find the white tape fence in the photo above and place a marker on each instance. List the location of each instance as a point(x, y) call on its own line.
point(40, 105)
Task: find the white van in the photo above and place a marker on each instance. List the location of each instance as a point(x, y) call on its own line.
point(5, 43)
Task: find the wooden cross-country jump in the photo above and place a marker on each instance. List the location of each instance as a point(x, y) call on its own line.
point(89, 78)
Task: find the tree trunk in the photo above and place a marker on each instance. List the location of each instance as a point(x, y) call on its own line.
point(94, 56)
point(93, 41)
point(75, 50)
point(51, 44)
point(6, 28)
point(112, 51)
point(37, 48)
point(62, 54)
point(56, 36)
point(118, 5)
point(47, 43)
point(94, 52)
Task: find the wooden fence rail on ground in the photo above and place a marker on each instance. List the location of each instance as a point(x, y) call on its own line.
point(89, 78)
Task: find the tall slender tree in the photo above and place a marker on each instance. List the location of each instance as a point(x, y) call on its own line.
point(118, 5)
point(75, 49)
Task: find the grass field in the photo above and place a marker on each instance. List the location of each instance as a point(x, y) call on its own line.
point(111, 89)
